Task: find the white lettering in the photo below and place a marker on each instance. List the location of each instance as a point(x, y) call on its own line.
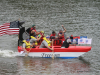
point(49, 55)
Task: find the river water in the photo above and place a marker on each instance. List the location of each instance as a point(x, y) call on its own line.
point(79, 17)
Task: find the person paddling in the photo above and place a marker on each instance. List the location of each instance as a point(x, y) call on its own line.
point(46, 43)
point(34, 40)
point(61, 33)
point(26, 45)
point(67, 43)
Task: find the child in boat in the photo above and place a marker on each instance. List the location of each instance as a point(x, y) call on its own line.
point(46, 43)
point(67, 43)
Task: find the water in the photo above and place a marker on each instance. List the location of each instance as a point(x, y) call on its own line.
point(79, 17)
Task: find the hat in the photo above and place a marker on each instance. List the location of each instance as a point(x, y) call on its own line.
point(33, 25)
point(47, 36)
point(35, 36)
point(27, 40)
point(42, 31)
point(71, 35)
point(68, 40)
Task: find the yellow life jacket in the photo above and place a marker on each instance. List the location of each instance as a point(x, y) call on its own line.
point(27, 44)
point(35, 41)
point(48, 41)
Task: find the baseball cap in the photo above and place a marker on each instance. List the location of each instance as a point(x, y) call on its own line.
point(33, 25)
point(47, 36)
point(27, 40)
point(42, 31)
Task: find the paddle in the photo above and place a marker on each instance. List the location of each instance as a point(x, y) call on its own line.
point(52, 50)
point(28, 52)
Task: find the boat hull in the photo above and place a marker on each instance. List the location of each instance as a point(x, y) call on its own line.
point(66, 53)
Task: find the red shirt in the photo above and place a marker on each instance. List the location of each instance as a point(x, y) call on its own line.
point(42, 35)
point(62, 37)
point(32, 29)
point(52, 35)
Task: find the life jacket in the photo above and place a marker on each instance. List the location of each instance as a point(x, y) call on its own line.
point(62, 37)
point(27, 44)
point(35, 41)
point(41, 39)
point(48, 41)
point(42, 35)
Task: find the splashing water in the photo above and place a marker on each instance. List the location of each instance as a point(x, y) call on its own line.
point(8, 53)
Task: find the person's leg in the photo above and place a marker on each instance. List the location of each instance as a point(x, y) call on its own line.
point(33, 45)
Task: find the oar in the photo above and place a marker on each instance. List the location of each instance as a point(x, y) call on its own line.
point(28, 52)
point(52, 50)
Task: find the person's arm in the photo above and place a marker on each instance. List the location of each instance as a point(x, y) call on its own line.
point(25, 50)
point(52, 41)
point(32, 42)
point(60, 35)
point(32, 45)
point(64, 29)
point(72, 44)
point(37, 33)
point(38, 38)
point(49, 48)
point(33, 31)
point(46, 45)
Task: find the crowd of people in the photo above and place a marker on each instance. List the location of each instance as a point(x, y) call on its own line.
point(45, 41)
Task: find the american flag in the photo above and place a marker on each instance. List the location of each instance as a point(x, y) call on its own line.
point(9, 28)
